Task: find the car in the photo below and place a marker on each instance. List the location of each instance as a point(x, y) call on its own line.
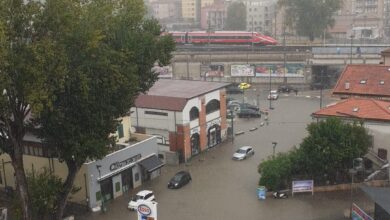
point(244, 86)
point(179, 180)
point(233, 89)
point(248, 113)
point(243, 152)
point(286, 89)
point(273, 95)
point(145, 195)
point(248, 106)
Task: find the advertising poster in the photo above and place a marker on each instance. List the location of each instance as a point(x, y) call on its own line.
point(162, 71)
point(213, 70)
point(242, 70)
point(147, 210)
point(359, 214)
point(302, 186)
point(277, 70)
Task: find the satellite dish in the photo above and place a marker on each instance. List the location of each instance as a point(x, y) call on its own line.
point(132, 129)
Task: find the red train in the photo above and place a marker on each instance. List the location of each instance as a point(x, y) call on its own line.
point(222, 37)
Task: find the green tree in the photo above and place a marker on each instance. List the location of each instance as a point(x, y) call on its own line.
point(110, 50)
point(27, 69)
point(331, 146)
point(328, 151)
point(236, 16)
point(74, 68)
point(310, 17)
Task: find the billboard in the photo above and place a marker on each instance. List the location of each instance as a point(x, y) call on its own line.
point(213, 70)
point(147, 210)
point(162, 71)
point(242, 70)
point(358, 214)
point(278, 70)
point(302, 186)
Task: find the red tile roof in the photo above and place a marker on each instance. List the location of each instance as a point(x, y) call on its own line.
point(172, 95)
point(360, 108)
point(364, 80)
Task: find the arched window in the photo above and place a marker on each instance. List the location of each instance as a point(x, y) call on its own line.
point(194, 113)
point(212, 106)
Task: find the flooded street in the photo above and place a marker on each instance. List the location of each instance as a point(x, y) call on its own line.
point(222, 188)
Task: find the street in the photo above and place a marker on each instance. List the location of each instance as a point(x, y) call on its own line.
point(225, 189)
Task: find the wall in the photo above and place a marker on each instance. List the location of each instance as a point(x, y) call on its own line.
point(144, 148)
point(38, 164)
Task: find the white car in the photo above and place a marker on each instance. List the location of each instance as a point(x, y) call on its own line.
point(243, 152)
point(141, 195)
point(273, 95)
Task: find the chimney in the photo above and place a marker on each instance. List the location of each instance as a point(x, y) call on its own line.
point(386, 57)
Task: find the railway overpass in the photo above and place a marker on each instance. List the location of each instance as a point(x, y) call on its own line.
point(191, 62)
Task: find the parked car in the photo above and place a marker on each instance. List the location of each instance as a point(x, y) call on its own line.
point(249, 106)
point(233, 89)
point(286, 89)
point(243, 152)
point(141, 195)
point(273, 95)
point(180, 179)
point(244, 86)
point(248, 113)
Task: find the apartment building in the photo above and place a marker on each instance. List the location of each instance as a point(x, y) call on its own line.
point(260, 15)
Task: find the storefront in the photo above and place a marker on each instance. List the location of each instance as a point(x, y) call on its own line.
point(122, 171)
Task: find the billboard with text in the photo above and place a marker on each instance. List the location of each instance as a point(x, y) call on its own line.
point(278, 70)
point(242, 70)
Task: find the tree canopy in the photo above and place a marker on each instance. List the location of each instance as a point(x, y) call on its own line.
point(325, 154)
point(75, 68)
point(310, 17)
point(236, 16)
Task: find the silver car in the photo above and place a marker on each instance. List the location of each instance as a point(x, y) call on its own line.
point(243, 152)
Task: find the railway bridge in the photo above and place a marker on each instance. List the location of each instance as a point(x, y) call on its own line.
point(314, 63)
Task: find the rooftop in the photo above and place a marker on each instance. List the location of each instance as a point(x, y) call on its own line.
point(360, 108)
point(364, 80)
point(167, 94)
point(380, 195)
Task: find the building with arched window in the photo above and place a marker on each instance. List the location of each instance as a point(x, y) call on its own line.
point(188, 117)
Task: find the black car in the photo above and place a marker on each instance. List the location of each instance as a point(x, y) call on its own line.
point(180, 179)
point(249, 106)
point(249, 113)
point(286, 89)
point(233, 89)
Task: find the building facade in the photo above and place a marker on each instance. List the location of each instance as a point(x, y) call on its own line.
point(187, 116)
point(166, 10)
point(261, 15)
point(191, 10)
point(213, 17)
point(131, 162)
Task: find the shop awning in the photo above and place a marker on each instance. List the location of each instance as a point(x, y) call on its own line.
point(151, 164)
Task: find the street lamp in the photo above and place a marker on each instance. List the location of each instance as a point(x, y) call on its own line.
point(321, 86)
point(356, 166)
point(273, 148)
point(270, 87)
point(352, 36)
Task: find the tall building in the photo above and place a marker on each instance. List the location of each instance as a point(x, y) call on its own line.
point(260, 15)
point(368, 19)
point(206, 3)
point(191, 10)
point(386, 20)
point(166, 9)
point(213, 16)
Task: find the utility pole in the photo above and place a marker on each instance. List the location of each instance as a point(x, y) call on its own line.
point(252, 33)
point(270, 98)
point(321, 86)
point(284, 53)
point(352, 36)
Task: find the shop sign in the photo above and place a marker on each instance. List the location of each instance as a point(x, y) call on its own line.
point(214, 122)
point(302, 186)
point(147, 210)
point(119, 164)
point(194, 130)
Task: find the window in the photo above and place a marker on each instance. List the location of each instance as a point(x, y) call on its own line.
point(136, 177)
point(363, 81)
point(194, 113)
point(382, 82)
point(98, 196)
point(120, 131)
point(156, 113)
point(212, 106)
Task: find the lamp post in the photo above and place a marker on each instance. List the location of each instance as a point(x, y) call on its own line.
point(354, 171)
point(321, 85)
point(273, 148)
point(352, 36)
point(270, 87)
